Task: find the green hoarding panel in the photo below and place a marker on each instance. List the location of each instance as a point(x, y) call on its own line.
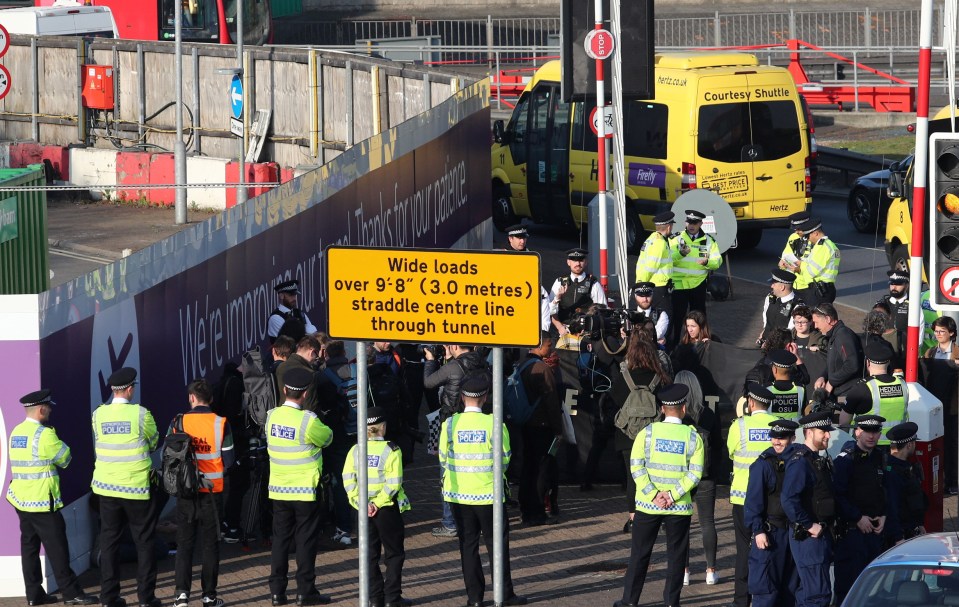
point(285, 8)
point(24, 266)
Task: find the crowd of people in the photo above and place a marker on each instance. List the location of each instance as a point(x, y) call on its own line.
point(284, 475)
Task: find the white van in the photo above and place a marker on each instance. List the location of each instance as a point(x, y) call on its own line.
point(62, 19)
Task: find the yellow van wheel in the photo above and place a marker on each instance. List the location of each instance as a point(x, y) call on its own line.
point(503, 215)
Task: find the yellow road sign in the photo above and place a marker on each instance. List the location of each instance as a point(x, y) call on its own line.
point(430, 296)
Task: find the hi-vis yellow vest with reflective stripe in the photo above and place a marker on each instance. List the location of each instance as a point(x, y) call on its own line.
point(787, 403)
point(928, 316)
point(466, 455)
point(124, 434)
point(889, 401)
point(35, 453)
point(821, 264)
point(655, 263)
point(688, 273)
point(666, 457)
point(294, 442)
point(748, 438)
point(384, 480)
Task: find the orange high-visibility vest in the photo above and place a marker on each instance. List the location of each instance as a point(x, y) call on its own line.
point(206, 430)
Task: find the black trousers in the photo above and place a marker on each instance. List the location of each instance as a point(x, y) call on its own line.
point(536, 442)
point(645, 529)
point(46, 528)
point(743, 544)
point(630, 483)
point(471, 521)
point(387, 532)
point(684, 301)
point(237, 484)
point(303, 518)
point(813, 298)
point(140, 516)
point(200, 514)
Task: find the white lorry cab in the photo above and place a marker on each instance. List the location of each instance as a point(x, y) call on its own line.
point(62, 19)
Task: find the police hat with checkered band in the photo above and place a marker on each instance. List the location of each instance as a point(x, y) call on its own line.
point(898, 277)
point(758, 393)
point(289, 286)
point(40, 397)
point(375, 415)
point(782, 428)
point(298, 379)
point(784, 276)
point(665, 218)
point(810, 225)
point(903, 433)
point(870, 423)
point(122, 378)
point(695, 217)
point(879, 352)
point(797, 219)
point(674, 395)
point(781, 358)
point(517, 231)
point(643, 288)
point(576, 254)
point(475, 385)
point(821, 420)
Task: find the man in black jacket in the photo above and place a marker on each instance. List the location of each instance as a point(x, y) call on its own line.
point(844, 356)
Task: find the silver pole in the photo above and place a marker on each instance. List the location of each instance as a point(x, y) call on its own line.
point(179, 150)
point(362, 472)
point(498, 518)
point(241, 190)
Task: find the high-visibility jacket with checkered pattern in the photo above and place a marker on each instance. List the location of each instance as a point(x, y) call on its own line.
point(788, 400)
point(666, 457)
point(821, 264)
point(888, 400)
point(124, 434)
point(655, 263)
point(384, 480)
point(688, 273)
point(466, 456)
point(748, 437)
point(35, 454)
point(294, 441)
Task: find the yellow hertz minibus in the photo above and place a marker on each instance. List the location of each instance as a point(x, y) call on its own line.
point(720, 121)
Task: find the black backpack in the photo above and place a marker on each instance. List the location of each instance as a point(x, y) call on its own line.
point(259, 384)
point(180, 475)
point(293, 324)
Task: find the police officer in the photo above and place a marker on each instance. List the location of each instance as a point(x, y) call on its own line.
point(788, 396)
point(748, 437)
point(882, 394)
point(796, 244)
point(287, 293)
point(294, 441)
point(386, 502)
point(517, 238)
point(695, 253)
point(655, 263)
point(898, 301)
point(213, 444)
point(466, 455)
point(807, 499)
point(667, 463)
point(905, 502)
point(778, 305)
point(773, 579)
point(818, 270)
point(644, 297)
point(575, 292)
point(124, 434)
point(860, 502)
point(35, 453)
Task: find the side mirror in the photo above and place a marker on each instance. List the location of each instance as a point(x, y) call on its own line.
point(894, 189)
point(499, 132)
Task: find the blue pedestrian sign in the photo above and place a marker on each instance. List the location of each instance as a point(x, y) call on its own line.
point(236, 97)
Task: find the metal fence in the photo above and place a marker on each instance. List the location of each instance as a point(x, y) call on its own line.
point(854, 28)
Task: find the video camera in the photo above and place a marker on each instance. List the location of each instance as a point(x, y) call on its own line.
point(604, 322)
point(437, 350)
point(821, 401)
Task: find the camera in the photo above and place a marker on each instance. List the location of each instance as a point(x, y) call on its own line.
point(437, 350)
point(604, 322)
point(821, 401)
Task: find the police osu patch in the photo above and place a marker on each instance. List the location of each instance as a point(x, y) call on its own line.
point(287, 432)
point(471, 436)
point(759, 434)
point(670, 446)
point(18, 442)
point(373, 461)
point(115, 428)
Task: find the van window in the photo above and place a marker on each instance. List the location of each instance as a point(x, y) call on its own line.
point(517, 130)
point(584, 139)
point(645, 134)
point(769, 127)
point(198, 15)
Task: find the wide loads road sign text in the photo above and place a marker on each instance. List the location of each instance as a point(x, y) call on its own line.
point(431, 296)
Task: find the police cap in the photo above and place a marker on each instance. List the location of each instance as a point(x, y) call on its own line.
point(783, 276)
point(517, 231)
point(810, 225)
point(695, 217)
point(879, 352)
point(643, 288)
point(673, 395)
point(289, 286)
point(40, 397)
point(903, 433)
point(122, 378)
point(782, 428)
point(821, 420)
point(781, 358)
point(298, 379)
point(475, 385)
point(758, 393)
point(797, 219)
point(375, 415)
point(898, 277)
point(576, 254)
point(870, 423)
point(665, 218)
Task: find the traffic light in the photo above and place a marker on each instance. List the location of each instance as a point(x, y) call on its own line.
point(944, 221)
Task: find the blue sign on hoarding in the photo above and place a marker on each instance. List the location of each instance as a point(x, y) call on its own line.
point(236, 96)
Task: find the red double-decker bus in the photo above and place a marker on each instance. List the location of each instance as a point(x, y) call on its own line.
point(203, 20)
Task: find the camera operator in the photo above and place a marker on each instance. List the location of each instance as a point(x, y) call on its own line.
point(643, 296)
point(573, 292)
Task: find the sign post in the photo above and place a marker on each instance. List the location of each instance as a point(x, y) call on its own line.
point(599, 45)
point(431, 296)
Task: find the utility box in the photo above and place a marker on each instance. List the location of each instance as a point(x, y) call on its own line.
point(24, 266)
point(927, 412)
point(98, 87)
